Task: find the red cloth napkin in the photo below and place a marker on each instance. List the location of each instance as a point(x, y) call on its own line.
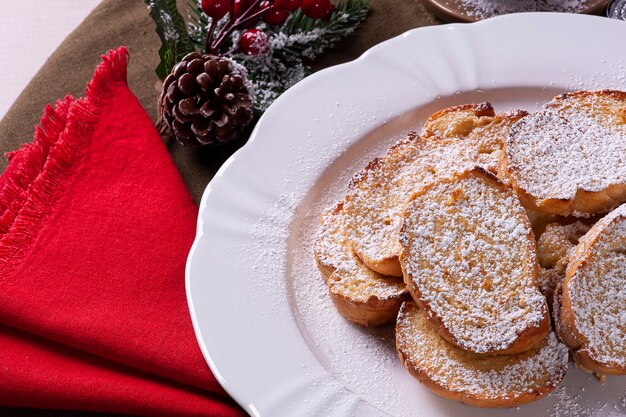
point(95, 226)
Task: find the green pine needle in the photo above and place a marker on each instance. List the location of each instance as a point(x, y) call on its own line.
point(348, 15)
point(299, 40)
point(175, 40)
point(356, 9)
point(198, 24)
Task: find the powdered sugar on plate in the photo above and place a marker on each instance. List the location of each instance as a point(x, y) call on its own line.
point(364, 361)
point(482, 9)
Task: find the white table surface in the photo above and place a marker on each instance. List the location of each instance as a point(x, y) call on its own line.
point(30, 31)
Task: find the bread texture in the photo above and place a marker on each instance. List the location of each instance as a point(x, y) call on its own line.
point(568, 156)
point(558, 239)
point(554, 247)
point(592, 316)
point(475, 379)
point(458, 121)
point(456, 139)
point(361, 295)
point(469, 260)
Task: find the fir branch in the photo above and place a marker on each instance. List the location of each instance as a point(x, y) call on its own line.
point(348, 15)
point(198, 23)
point(300, 39)
point(170, 26)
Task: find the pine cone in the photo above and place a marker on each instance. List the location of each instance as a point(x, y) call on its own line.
point(206, 100)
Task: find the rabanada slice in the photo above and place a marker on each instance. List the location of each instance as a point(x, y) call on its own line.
point(478, 380)
point(593, 303)
point(457, 138)
point(469, 259)
point(568, 157)
point(458, 121)
point(554, 247)
point(558, 239)
point(361, 295)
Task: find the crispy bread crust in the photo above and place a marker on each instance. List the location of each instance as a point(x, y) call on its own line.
point(373, 312)
point(327, 268)
point(554, 246)
point(584, 201)
point(365, 312)
point(531, 395)
point(525, 340)
point(385, 265)
point(446, 122)
point(538, 219)
point(468, 123)
point(567, 329)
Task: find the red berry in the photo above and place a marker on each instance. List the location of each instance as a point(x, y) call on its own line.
point(254, 42)
point(318, 9)
point(275, 16)
point(241, 6)
point(215, 9)
point(289, 5)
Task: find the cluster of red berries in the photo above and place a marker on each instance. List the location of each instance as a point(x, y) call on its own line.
point(246, 13)
point(274, 12)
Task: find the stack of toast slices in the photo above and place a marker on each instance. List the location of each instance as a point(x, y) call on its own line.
point(497, 245)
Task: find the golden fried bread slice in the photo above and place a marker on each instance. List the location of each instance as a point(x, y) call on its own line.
point(550, 279)
point(377, 194)
point(360, 294)
point(469, 259)
point(553, 249)
point(569, 156)
point(484, 132)
point(458, 121)
point(487, 141)
point(557, 240)
point(475, 379)
point(593, 314)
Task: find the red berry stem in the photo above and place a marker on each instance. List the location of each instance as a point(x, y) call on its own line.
point(209, 37)
point(255, 15)
point(245, 18)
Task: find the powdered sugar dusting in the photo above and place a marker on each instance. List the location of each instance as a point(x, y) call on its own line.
point(597, 291)
point(467, 249)
point(482, 9)
point(568, 404)
point(573, 143)
point(363, 360)
point(478, 376)
point(331, 249)
point(377, 194)
point(350, 278)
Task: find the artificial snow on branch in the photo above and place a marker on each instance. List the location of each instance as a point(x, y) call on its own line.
point(274, 40)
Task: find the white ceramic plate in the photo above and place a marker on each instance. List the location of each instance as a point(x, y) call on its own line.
point(259, 307)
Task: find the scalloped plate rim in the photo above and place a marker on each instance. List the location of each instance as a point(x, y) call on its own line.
point(244, 152)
